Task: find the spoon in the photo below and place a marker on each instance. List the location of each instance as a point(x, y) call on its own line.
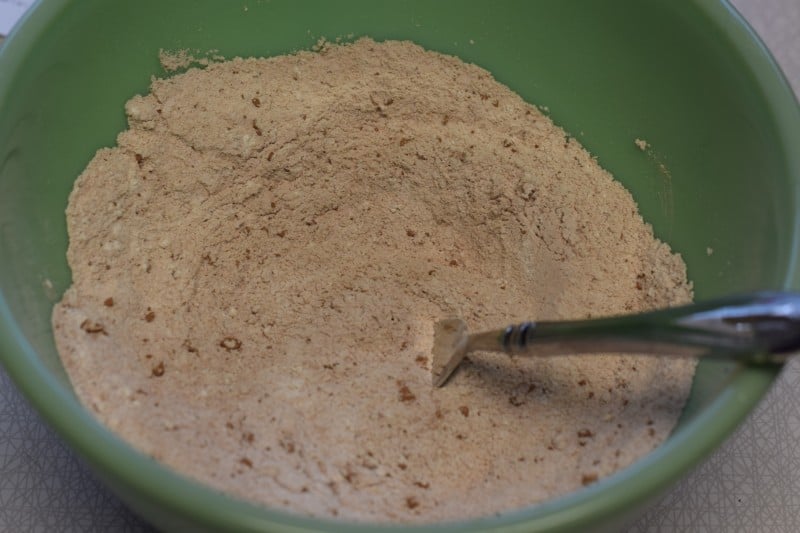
point(760, 328)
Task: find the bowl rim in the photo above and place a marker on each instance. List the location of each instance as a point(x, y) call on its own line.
point(148, 484)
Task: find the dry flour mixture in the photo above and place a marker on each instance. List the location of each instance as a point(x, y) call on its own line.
point(258, 264)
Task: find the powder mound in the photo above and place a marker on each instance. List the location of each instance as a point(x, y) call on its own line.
point(258, 264)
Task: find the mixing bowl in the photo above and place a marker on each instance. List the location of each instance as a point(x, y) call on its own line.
point(719, 183)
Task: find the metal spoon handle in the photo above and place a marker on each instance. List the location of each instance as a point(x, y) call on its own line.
point(757, 327)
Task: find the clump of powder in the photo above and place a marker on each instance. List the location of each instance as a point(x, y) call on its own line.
point(258, 264)
point(174, 60)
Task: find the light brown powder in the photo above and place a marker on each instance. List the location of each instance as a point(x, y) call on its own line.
point(174, 60)
point(278, 236)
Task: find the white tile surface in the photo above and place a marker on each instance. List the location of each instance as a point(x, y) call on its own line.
point(751, 484)
point(10, 11)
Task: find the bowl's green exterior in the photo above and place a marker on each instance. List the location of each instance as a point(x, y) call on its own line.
point(689, 77)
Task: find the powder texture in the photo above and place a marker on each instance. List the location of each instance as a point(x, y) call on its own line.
point(173, 60)
point(258, 265)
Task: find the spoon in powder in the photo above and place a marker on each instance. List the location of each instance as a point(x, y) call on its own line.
point(762, 327)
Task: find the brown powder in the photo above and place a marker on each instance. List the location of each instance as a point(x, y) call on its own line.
point(290, 228)
point(174, 60)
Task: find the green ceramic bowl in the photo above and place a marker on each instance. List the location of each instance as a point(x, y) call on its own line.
point(689, 77)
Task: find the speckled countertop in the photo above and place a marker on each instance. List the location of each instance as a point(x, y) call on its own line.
point(751, 484)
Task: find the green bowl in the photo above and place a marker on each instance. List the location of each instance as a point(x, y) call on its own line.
point(689, 77)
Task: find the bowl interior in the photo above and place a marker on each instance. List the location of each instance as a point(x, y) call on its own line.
point(719, 183)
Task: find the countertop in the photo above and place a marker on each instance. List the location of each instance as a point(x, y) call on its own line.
point(751, 484)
